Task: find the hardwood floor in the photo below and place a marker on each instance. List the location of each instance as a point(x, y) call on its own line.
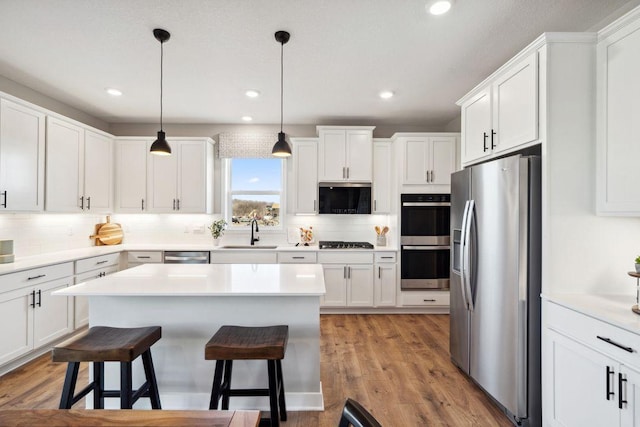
point(397, 366)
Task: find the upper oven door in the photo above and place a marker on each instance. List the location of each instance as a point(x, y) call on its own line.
point(425, 222)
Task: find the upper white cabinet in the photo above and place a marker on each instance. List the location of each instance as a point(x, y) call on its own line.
point(79, 168)
point(305, 172)
point(427, 159)
point(345, 153)
point(618, 107)
point(502, 113)
point(22, 145)
point(131, 175)
point(382, 176)
point(183, 181)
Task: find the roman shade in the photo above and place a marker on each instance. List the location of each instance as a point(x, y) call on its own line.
point(246, 145)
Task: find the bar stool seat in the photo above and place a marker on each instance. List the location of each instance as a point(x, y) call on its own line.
point(106, 344)
point(231, 343)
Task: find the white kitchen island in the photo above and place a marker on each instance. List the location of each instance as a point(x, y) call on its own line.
point(191, 302)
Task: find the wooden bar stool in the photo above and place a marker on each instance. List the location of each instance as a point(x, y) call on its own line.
point(104, 344)
point(249, 343)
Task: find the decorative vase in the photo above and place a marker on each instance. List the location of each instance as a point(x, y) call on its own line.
point(216, 241)
point(637, 268)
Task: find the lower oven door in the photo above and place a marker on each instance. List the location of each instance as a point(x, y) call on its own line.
point(424, 267)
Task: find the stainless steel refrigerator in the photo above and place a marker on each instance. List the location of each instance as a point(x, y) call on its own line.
point(495, 282)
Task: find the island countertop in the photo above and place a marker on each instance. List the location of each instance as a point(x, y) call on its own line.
point(207, 280)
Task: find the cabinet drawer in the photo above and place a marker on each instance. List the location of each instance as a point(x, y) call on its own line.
point(35, 276)
point(297, 257)
point(385, 257)
point(425, 299)
point(342, 257)
point(96, 274)
point(88, 264)
point(146, 257)
point(586, 329)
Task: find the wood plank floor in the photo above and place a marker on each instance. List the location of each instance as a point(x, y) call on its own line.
point(395, 365)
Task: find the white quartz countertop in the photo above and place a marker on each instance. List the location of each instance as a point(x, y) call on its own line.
point(35, 261)
point(207, 280)
point(614, 309)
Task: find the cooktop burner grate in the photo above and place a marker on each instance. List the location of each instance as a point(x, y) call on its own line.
point(344, 245)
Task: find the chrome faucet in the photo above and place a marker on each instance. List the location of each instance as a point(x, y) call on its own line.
point(256, 238)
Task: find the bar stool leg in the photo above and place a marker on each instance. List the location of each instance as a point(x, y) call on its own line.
point(283, 405)
point(149, 372)
point(69, 385)
point(125, 385)
point(217, 384)
point(273, 393)
point(98, 385)
point(226, 385)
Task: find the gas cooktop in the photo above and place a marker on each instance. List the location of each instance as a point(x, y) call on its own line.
point(344, 245)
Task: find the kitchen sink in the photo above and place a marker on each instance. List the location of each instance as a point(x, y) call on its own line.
point(248, 247)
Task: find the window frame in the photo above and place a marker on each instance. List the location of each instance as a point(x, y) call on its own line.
point(228, 194)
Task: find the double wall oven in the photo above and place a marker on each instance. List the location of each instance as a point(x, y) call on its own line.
point(424, 240)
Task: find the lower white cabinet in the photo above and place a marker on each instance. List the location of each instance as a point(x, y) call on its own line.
point(30, 316)
point(347, 284)
point(591, 371)
point(243, 256)
point(384, 281)
point(135, 258)
point(425, 298)
point(89, 269)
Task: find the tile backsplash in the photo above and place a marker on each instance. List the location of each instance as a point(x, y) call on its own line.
point(35, 234)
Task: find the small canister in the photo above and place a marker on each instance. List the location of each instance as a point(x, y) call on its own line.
point(381, 240)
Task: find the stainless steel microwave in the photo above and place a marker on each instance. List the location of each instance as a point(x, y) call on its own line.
point(344, 198)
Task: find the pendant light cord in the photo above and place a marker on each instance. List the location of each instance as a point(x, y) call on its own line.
point(161, 62)
point(281, 83)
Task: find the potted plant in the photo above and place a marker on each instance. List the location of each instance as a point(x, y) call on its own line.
point(217, 228)
point(638, 264)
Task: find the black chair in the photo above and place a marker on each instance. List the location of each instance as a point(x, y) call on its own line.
point(355, 415)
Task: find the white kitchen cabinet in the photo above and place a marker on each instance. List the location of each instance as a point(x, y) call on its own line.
point(135, 258)
point(345, 153)
point(348, 279)
point(590, 370)
point(131, 175)
point(183, 181)
point(89, 269)
point(385, 279)
point(502, 112)
point(297, 257)
point(383, 178)
point(30, 316)
point(22, 147)
point(305, 171)
point(79, 168)
point(427, 159)
point(618, 108)
point(243, 256)
point(425, 299)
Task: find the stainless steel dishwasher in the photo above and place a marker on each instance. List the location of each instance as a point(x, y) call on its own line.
point(186, 257)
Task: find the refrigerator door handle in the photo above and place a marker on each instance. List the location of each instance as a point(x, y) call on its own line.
point(463, 238)
point(466, 245)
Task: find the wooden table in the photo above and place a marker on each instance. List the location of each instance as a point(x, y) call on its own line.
point(126, 417)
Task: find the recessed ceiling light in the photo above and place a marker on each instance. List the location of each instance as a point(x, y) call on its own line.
point(113, 91)
point(247, 118)
point(386, 94)
point(440, 7)
point(252, 93)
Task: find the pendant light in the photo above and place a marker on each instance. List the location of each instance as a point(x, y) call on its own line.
point(281, 147)
point(160, 146)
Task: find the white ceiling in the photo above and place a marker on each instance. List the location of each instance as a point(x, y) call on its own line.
point(341, 54)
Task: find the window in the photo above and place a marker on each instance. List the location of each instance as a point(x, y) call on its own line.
point(254, 190)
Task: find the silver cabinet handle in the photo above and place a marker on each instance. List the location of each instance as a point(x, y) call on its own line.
point(102, 262)
point(344, 272)
point(349, 272)
point(347, 172)
point(177, 204)
point(89, 203)
point(143, 257)
point(298, 257)
point(314, 205)
point(426, 176)
point(379, 272)
point(82, 202)
point(375, 205)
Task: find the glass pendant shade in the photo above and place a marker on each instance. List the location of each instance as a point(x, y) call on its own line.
point(281, 147)
point(160, 146)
